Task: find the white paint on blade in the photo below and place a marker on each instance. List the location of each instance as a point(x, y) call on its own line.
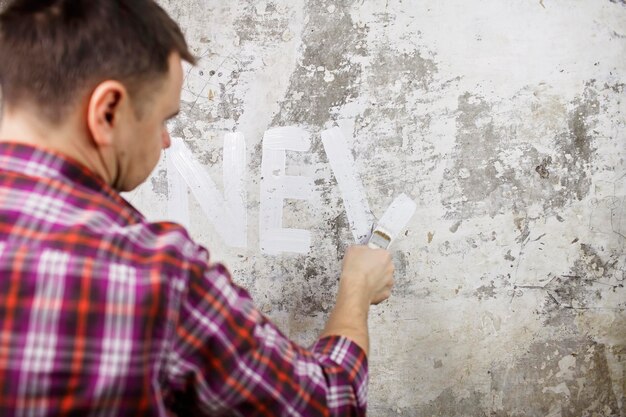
point(217, 210)
point(234, 176)
point(360, 216)
point(177, 195)
point(397, 216)
point(276, 187)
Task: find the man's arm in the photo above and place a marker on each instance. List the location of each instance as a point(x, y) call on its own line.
point(230, 358)
point(366, 278)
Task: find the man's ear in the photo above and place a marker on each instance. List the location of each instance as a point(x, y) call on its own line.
point(105, 111)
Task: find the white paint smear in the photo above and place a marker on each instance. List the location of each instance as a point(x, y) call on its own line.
point(177, 196)
point(228, 213)
point(276, 187)
point(360, 216)
point(398, 215)
point(290, 138)
point(234, 178)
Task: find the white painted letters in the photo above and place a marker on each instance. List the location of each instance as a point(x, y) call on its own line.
point(276, 187)
point(360, 217)
point(177, 197)
point(227, 214)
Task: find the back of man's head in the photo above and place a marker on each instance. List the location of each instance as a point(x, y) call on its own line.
point(53, 52)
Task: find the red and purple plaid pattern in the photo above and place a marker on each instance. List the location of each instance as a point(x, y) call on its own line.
point(105, 314)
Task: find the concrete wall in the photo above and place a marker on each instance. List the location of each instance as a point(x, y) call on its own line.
point(503, 120)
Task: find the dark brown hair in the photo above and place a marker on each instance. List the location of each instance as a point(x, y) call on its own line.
point(54, 51)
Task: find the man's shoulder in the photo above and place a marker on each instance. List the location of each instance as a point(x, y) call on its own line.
point(165, 247)
point(163, 240)
point(43, 212)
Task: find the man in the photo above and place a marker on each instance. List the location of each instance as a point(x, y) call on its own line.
point(102, 312)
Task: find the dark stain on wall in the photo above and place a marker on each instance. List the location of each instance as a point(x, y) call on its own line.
point(575, 149)
point(318, 287)
point(339, 228)
point(542, 168)
point(325, 77)
point(485, 291)
point(266, 27)
point(159, 183)
point(483, 180)
point(404, 282)
point(591, 276)
point(390, 76)
point(560, 365)
point(393, 122)
point(446, 404)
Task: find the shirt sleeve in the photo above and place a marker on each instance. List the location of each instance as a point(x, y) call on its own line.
point(228, 359)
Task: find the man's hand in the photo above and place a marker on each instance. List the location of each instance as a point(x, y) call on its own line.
point(369, 271)
point(366, 278)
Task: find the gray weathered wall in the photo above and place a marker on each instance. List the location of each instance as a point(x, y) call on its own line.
point(503, 120)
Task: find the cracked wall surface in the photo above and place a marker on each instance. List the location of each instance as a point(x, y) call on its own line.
point(504, 121)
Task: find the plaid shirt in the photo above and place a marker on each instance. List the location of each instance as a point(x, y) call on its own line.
point(103, 313)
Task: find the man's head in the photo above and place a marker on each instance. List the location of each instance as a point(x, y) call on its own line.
point(115, 63)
